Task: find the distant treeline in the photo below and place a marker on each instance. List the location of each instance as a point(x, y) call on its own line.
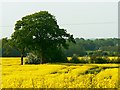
point(83, 47)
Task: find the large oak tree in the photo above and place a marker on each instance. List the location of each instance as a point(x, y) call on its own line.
point(40, 33)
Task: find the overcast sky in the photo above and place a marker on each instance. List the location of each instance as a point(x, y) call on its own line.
point(82, 19)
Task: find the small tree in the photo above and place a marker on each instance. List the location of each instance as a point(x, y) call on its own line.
point(5, 45)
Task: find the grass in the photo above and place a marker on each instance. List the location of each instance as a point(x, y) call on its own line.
point(59, 75)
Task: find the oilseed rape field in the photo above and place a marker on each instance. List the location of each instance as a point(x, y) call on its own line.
point(62, 75)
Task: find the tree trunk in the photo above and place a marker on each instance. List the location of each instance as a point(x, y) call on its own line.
point(41, 57)
point(21, 59)
point(41, 60)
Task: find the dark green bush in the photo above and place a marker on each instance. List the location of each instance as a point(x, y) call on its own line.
point(74, 59)
point(99, 60)
point(83, 60)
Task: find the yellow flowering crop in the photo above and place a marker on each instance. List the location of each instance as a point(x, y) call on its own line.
point(15, 75)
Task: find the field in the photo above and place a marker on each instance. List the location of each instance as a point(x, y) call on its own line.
point(60, 75)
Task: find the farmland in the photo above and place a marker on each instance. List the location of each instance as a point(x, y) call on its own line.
point(60, 75)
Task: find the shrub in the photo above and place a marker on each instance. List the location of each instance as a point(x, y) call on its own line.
point(58, 56)
point(118, 60)
point(32, 59)
point(99, 59)
point(75, 59)
point(115, 60)
point(83, 60)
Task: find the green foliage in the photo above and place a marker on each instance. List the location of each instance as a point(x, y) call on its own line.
point(75, 49)
point(84, 60)
point(6, 46)
point(74, 59)
point(57, 55)
point(109, 47)
point(81, 47)
point(40, 33)
point(115, 60)
point(99, 59)
point(118, 60)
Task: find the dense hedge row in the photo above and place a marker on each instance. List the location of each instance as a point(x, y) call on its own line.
point(94, 59)
point(33, 59)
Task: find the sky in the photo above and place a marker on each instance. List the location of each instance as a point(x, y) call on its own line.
point(82, 19)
